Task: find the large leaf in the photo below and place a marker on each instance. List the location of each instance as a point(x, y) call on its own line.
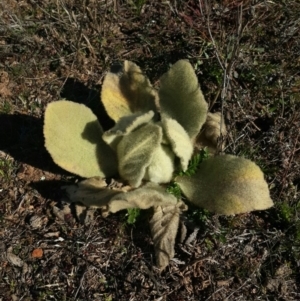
point(211, 132)
point(164, 227)
point(73, 139)
point(135, 152)
point(124, 126)
point(127, 91)
point(161, 167)
point(227, 185)
point(91, 192)
point(143, 198)
point(179, 140)
point(180, 97)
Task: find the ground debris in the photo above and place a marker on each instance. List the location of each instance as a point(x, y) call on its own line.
point(13, 259)
point(246, 57)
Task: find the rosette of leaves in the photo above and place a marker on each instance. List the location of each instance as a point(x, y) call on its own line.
point(154, 136)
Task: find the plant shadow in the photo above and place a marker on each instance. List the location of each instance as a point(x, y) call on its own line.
point(76, 91)
point(21, 135)
point(50, 189)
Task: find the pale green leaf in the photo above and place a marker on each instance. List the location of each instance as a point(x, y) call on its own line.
point(144, 197)
point(161, 167)
point(73, 139)
point(227, 185)
point(126, 91)
point(91, 192)
point(210, 133)
point(179, 140)
point(135, 152)
point(164, 226)
point(180, 97)
point(124, 126)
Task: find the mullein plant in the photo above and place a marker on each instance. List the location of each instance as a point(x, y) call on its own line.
point(157, 134)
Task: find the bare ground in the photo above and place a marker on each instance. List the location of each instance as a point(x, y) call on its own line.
point(247, 57)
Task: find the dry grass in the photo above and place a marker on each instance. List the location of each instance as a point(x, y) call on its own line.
point(246, 54)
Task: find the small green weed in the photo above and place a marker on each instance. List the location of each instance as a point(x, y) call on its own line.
point(194, 163)
point(173, 187)
point(139, 5)
point(288, 217)
point(107, 297)
point(194, 213)
point(132, 215)
point(12, 285)
point(220, 237)
point(5, 107)
point(44, 295)
point(198, 215)
point(285, 212)
point(214, 73)
point(18, 70)
point(209, 244)
point(6, 168)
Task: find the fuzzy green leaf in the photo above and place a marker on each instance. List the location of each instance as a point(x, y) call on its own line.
point(127, 91)
point(91, 192)
point(135, 152)
point(227, 185)
point(143, 198)
point(161, 167)
point(164, 226)
point(73, 139)
point(124, 126)
point(180, 97)
point(179, 140)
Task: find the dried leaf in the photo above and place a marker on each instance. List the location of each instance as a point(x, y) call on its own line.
point(210, 132)
point(52, 234)
point(124, 126)
point(91, 192)
point(180, 98)
point(227, 185)
point(85, 214)
point(5, 91)
point(73, 139)
point(192, 236)
point(135, 152)
point(179, 140)
point(127, 91)
point(143, 198)
point(183, 232)
point(64, 213)
point(37, 253)
point(36, 222)
point(164, 227)
point(13, 259)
